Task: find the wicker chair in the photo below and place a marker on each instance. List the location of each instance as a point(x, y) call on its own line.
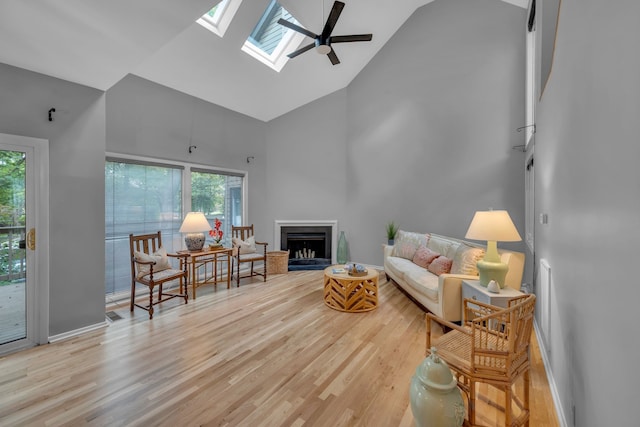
point(491, 347)
point(150, 267)
point(245, 252)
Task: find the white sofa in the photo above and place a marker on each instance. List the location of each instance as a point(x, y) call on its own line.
point(441, 294)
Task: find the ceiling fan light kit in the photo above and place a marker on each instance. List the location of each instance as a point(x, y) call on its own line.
point(322, 42)
point(322, 49)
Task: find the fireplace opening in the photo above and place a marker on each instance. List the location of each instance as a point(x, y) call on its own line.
point(309, 247)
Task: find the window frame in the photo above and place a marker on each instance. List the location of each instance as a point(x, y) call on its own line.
point(186, 168)
point(220, 21)
point(289, 42)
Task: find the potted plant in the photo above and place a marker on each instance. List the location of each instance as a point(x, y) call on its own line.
point(216, 234)
point(392, 229)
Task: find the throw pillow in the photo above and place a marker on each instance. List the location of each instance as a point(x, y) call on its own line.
point(245, 246)
point(466, 259)
point(442, 245)
point(159, 257)
point(407, 243)
point(440, 265)
point(424, 256)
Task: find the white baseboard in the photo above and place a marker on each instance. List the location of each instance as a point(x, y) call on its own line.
point(552, 383)
point(76, 332)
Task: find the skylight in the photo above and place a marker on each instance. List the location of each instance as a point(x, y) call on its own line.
point(217, 20)
point(269, 41)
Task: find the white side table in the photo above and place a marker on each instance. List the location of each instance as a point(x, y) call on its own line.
point(472, 289)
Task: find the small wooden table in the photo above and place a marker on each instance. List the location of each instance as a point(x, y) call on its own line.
point(352, 294)
point(205, 263)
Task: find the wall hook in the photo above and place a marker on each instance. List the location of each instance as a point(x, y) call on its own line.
point(51, 111)
point(191, 148)
point(250, 159)
point(527, 126)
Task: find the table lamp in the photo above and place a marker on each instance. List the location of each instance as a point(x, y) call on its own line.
point(492, 226)
point(194, 224)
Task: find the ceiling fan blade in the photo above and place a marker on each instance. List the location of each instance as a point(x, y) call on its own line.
point(336, 10)
point(301, 50)
point(297, 28)
point(352, 38)
point(333, 57)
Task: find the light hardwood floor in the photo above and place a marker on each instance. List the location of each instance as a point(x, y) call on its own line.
point(264, 354)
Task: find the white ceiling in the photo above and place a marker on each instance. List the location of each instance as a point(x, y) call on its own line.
point(97, 43)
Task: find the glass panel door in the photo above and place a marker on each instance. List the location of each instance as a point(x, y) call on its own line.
point(14, 238)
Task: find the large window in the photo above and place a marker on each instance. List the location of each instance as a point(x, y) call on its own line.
point(145, 197)
point(217, 196)
point(139, 198)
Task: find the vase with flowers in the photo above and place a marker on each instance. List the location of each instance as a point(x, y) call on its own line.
point(216, 234)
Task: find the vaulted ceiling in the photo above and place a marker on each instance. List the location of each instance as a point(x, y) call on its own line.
point(97, 43)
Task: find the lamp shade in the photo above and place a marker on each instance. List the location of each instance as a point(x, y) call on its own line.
point(195, 222)
point(494, 226)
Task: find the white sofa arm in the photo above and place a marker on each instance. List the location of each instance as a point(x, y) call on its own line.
point(450, 293)
point(387, 250)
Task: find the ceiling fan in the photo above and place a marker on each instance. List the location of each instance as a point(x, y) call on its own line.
point(324, 40)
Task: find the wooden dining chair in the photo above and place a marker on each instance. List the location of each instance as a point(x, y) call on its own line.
point(492, 347)
point(245, 250)
point(150, 267)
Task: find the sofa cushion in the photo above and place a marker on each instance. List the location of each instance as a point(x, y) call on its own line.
point(466, 259)
point(440, 265)
point(423, 282)
point(406, 243)
point(424, 256)
point(398, 266)
point(442, 245)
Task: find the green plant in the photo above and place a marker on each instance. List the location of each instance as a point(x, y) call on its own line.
point(392, 229)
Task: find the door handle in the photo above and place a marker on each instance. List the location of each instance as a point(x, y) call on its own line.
point(31, 239)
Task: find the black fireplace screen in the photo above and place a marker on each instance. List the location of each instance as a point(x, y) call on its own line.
point(309, 242)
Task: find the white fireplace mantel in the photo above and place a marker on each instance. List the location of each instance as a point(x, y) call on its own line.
point(308, 223)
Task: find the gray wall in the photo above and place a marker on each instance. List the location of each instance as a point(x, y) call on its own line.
point(307, 164)
point(587, 181)
point(76, 187)
point(432, 122)
point(422, 136)
point(147, 119)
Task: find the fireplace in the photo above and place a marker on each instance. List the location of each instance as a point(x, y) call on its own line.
point(311, 244)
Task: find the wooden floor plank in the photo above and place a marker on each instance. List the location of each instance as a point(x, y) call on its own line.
point(263, 354)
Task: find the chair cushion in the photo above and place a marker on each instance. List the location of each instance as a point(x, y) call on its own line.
point(254, 256)
point(245, 246)
point(159, 257)
point(162, 275)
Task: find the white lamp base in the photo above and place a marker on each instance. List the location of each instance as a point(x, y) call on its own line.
point(194, 241)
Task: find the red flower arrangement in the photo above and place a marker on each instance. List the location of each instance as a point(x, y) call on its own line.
point(216, 233)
